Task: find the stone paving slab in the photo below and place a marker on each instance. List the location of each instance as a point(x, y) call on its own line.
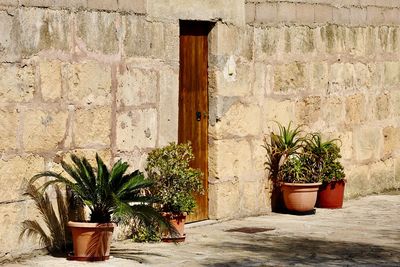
point(366, 232)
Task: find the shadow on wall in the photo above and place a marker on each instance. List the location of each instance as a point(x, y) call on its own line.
point(280, 250)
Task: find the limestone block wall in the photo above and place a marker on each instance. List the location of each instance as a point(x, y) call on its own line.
point(333, 66)
point(90, 76)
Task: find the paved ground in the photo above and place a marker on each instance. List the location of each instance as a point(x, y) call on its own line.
point(366, 232)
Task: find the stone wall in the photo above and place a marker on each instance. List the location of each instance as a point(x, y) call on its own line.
point(87, 76)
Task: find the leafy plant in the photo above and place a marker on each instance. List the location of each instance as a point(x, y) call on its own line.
point(54, 236)
point(280, 146)
point(146, 232)
point(324, 158)
point(174, 181)
point(109, 194)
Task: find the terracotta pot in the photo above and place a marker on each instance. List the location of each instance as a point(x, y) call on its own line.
point(91, 241)
point(300, 197)
point(178, 221)
point(330, 195)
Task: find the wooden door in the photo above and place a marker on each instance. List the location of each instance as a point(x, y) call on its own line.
point(193, 101)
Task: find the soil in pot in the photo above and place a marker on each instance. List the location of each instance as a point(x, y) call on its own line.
point(330, 196)
point(91, 241)
point(178, 221)
point(300, 197)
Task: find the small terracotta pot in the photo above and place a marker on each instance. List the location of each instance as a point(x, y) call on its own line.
point(178, 221)
point(91, 241)
point(300, 197)
point(330, 196)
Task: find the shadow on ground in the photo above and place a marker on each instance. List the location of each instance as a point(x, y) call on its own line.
point(132, 254)
point(264, 250)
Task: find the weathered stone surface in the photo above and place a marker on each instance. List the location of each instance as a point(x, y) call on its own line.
point(397, 172)
point(103, 5)
point(391, 137)
point(137, 129)
point(276, 110)
point(7, 37)
point(308, 110)
point(323, 14)
point(341, 77)
point(137, 6)
point(254, 197)
point(92, 127)
point(290, 77)
point(355, 41)
point(195, 10)
point(171, 33)
point(367, 143)
point(137, 86)
point(362, 76)
point(333, 38)
point(168, 108)
point(15, 172)
point(319, 77)
point(266, 42)
point(358, 16)
point(143, 38)
point(382, 106)
point(395, 103)
point(12, 215)
point(355, 109)
point(17, 83)
point(250, 14)
point(50, 80)
point(44, 130)
point(258, 153)
point(229, 159)
point(286, 12)
point(8, 125)
point(12, 3)
point(358, 181)
point(391, 73)
point(40, 29)
point(89, 83)
point(240, 120)
point(225, 195)
point(305, 13)
point(99, 31)
point(333, 110)
point(266, 12)
point(234, 79)
point(382, 176)
point(300, 40)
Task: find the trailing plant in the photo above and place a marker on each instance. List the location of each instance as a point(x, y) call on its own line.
point(54, 236)
point(110, 195)
point(280, 146)
point(174, 181)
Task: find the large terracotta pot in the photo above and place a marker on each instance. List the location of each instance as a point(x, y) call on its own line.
point(300, 197)
point(330, 195)
point(177, 220)
point(91, 241)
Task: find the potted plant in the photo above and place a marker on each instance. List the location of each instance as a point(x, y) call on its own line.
point(174, 184)
point(280, 146)
point(325, 156)
point(300, 184)
point(110, 195)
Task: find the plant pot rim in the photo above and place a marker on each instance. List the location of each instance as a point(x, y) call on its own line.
point(91, 225)
point(302, 184)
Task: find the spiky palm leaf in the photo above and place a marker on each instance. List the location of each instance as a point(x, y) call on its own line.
point(107, 192)
point(56, 237)
point(280, 146)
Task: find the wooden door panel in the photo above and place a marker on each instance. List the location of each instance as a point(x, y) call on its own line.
point(193, 98)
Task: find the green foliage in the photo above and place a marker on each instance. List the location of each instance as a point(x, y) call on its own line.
point(55, 236)
point(174, 181)
point(280, 146)
point(143, 233)
point(294, 158)
point(107, 192)
point(324, 157)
